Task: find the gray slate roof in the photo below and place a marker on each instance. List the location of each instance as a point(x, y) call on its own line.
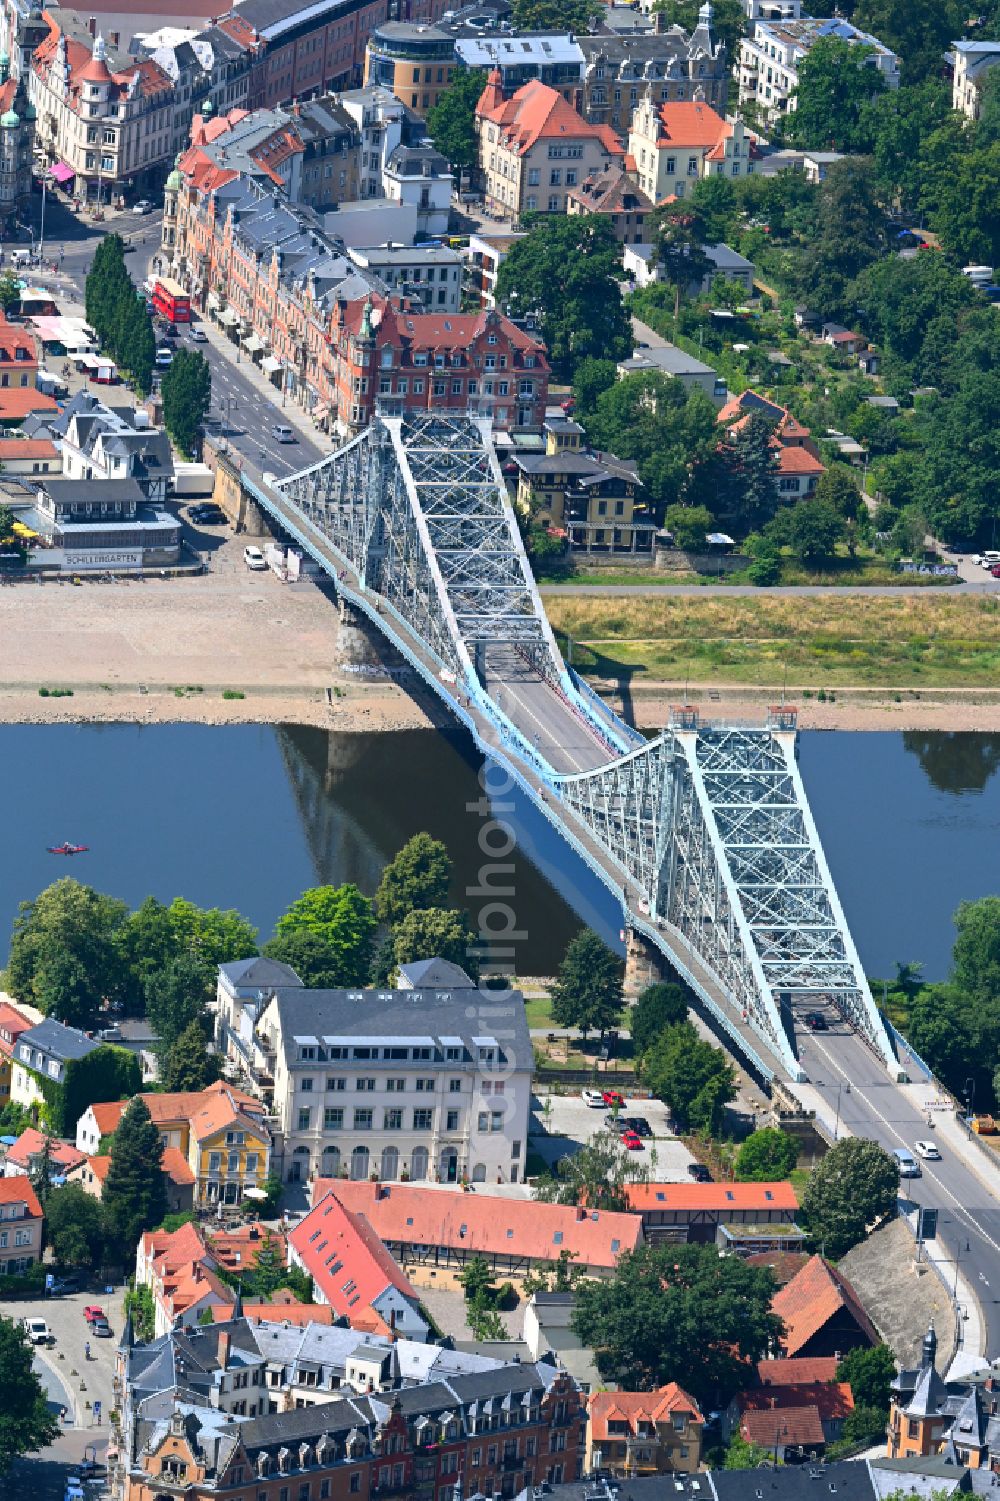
point(260, 972)
point(58, 1041)
point(438, 973)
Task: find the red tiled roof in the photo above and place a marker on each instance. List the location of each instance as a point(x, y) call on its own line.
point(537, 112)
point(18, 1190)
point(13, 338)
point(688, 123)
point(783, 1264)
point(812, 1298)
point(177, 1167)
point(107, 1114)
point(481, 1222)
point(12, 1021)
point(831, 1399)
point(238, 1249)
point(62, 1154)
point(794, 1425)
point(802, 1368)
point(206, 1109)
point(797, 461)
point(635, 1407)
point(25, 448)
point(17, 402)
point(712, 1197)
point(298, 1314)
point(438, 331)
point(331, 1236)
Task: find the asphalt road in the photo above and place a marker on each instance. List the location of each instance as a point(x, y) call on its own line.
point(969, 1218)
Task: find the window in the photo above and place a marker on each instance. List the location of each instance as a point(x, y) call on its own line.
point(423, 1120)
point(356, 1482)
point(365, 1085)
point(305, 1115)
point(363, 1120)
point(307, 1085)
point(393, 1120)
point(251, 1162)
point(555, 177)
point(333, 1120)
point(332, 1085)
point(425, 1086)
point(671, 166)
point(454, 1086)
point(215, 1160)
point(534, 176)
point(452, 1119)
point(692, 166)
point(456, 388)
point(571, 177)
point(395, 1086)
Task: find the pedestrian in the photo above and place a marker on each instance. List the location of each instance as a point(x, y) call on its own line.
point(86, 1350)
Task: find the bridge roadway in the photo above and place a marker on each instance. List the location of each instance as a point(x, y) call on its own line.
point(873, 1107)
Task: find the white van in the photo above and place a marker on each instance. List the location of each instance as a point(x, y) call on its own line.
point(908, 1165)
point(20, 257)
point(989, 559)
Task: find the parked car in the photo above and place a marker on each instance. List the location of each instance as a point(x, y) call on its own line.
point(699, 1172)
point(995, 570)
point(207, 514)
point(94, 1311)
point(815, 1021)
point(143, 207)
point(164, 357)
point(927, 1150)
point(71, 1283)
point(632, 1141)
point(593, 1098)
point(612, 1097)
point(37, 1331)
point(254, 559)
point(101, 1328)
point(637, 1123)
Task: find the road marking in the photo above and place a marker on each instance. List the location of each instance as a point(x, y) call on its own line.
point(857, 1089)
point(547, 733)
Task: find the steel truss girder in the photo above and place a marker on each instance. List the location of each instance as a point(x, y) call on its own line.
point(715, 829)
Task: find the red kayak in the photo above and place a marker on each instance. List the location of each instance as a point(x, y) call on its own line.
point(68, 849)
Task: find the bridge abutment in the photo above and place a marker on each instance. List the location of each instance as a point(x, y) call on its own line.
point(645, 964)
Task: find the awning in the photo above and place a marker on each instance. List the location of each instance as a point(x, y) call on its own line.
point(253, 342)
point(213, 301)
point(61, 172)
point(270, 364)
point(228, 317)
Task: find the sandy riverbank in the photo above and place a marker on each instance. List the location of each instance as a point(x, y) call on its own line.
point(852, 709)
point(375, 708)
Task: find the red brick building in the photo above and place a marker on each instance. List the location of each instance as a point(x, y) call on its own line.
point(435, 361)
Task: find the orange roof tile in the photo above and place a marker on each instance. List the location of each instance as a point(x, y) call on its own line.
point(537, 112)
point(26, 448)
point(636, 1407)
point(13, 1022)
point(798, 461)
point(793, 1425)
point(18, 1190)
point(30, 1143)
point(831, 1399)
point(812, 1298)
point(18, 402)
point(801, 1368)
point(176, 1167)
point(713, 1197)
point(298, 1314)
point(481, 1222)
point(99, 1166)
point(107, 1114)
point(332, 1236)
point(238, 1249)
point(688, 123)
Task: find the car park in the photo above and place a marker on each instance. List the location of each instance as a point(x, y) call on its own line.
point(254, 559)
point(207, 514)
point(593, 1098)
point(927, 1150)
point(636, 1123)
point(699, 1172)
point(101, 1328)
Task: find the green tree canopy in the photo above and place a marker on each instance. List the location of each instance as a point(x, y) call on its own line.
point(920, 31)
point(870, 1374)
point(812, 528)
point(344, 919)
point(417, 877)
point(108, 1073)
point(436, 933)
point(692, 1077)
point(135, 1193)
point(728, 20)
point(26, 1425)
point(751, 461)
point(567, 269)
point(743, 1456)
point(588, 991)
point(976, 953)
point(74, 1225)
point(591, 377)
point(10, 292)
point(189, 1066)
point(849, 1194)
point(176, 996)
point(554, 15)
point(451, 123)
point(850, 235)
point(187, 394)
point(838, 488)
point(669, 432)
point(689, 525)
point(767, 1156)
point(677, 231)
point(64, 954)
point(658, 1007)
point(837, 79)
point(310, 955)
point(678, 1313)
point(599, 1175)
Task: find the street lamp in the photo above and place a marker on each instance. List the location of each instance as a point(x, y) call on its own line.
point(969, 1091)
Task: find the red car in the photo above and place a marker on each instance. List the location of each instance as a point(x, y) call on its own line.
point(611, 1098)
point(632, 1141)
point(93, 1312)
point(996, 571)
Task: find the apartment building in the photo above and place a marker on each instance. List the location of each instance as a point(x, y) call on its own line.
point(644, 1433)
point(494, 1431)
point(558, 60)
point(664, 66)
point(534, 148)
point(798, 465)
point(594, 499)
point(970, 63)
point(428, 276)
point(13, 1022)
point(771, 55)
point(413, 61)
point(614, 193)
point(45, 1052)
point(419, 1084)
point(673, 145)
point(21, 1225)
point(398, 161)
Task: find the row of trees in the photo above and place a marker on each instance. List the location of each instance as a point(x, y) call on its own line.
point(117, 313)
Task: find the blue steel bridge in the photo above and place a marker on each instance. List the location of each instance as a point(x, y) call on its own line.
point(704, 834)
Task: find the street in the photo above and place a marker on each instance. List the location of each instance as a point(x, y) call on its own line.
point(862, 1100)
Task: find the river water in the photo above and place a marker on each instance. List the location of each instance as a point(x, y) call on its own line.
point(247, 817)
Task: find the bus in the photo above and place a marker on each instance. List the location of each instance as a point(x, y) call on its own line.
point(171, 301)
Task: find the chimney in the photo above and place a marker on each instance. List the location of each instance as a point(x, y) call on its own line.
point(224, 1349)
point(581, 1212)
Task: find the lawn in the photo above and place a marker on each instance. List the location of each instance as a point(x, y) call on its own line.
point(910, 641)
point(537, 1009)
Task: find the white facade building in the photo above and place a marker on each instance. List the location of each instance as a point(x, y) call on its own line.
point(780, 37)
point(428, 1081)
point(971, 61)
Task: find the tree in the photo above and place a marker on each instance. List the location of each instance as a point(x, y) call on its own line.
point(344, 919)
point(212, 934)
point(669, 432)
point(10, 292)
point(976, 953)
point(767, 1156)
point(812, 528)
point(689, 525)
point(751, 459)
point(920, 31)
point(135, 1193)
point(677, 232)
point(435, 934)
point(187, 394)
point(658, 1007)
point(678, 1313)
point(26, 1425)
point(588, 991)
point(310, 955)
point(590, 378)
point(864, 1425)
point(417, 877)
point(136, 343)
point(189, 1066)
point(7, 519)
point(599, 1175)
point(837, 79)
point(838, 489)
point(74, 1225)
point(567, 269)
point(743, 1456)
point(849, 1194)
point(176, 996)
point(64, 955)
point(850, 235)
point(553, 15)
point(870, 1374)
point(451, 123)
point(691, 1076)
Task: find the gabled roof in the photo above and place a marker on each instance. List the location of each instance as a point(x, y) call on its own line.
point(238, 1249)
point(812, 1298)
point(723, 1198)
point(51, 1037)
point(259, 972)
point(794, 1372)
point(18, 1190)
point(686, 123)
point(793, 1425)
point(12, 1021)
point(345, 1258)
point(439, 974)
point(611, 191)
point(31, 1143)
point(481, 1222)
point(831, 1399)
point(636, 1407)
point(536, 112)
